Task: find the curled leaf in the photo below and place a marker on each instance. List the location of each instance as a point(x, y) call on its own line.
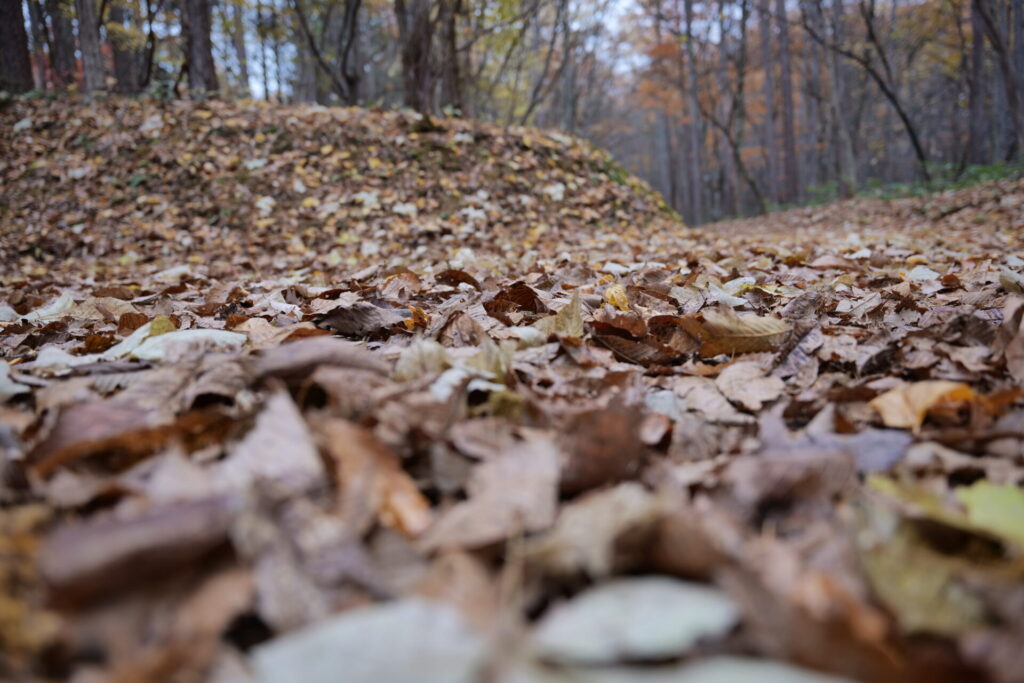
point(616, 296)
point(725, 331)
point(906, 405)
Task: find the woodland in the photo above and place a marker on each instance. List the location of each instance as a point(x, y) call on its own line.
point(518, 342)
point(727, 108)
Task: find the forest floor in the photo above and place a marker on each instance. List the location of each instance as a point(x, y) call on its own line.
point(307, 394)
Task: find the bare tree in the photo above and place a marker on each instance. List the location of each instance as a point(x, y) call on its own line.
point(977, 143)
point(875, 63)
point(695, 128)
point(994, 17)
point(344, 74)
point(771, 146)
point(791, 185)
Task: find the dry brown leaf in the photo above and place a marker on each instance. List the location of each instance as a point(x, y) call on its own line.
point(906, 405)
point(1009, 342)
point(725, 331)
point(277, 455)
point(746, 383)
point(513, 493)
point(371, 481)
point(295, 360)
point(701, 395)
point(84, 561)
point(601, 446)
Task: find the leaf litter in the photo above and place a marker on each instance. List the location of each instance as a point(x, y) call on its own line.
point(416, 418)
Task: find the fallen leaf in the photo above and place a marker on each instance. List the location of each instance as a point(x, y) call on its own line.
point(993, 508)
point(636, 619)
point(907, 405)
point(616, 296)
point(568, 322)
point(590, 529)
point(511, 493)
point(8, 387)
point(293, 361)
point(371, 478)
point(277, 454)
point(725, 331)
point(410, 639)
point(746, 384)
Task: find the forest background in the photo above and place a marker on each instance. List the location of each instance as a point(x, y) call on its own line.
point(726, 107)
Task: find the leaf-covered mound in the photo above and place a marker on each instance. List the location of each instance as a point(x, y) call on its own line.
point(761, 451)
point(236, 185)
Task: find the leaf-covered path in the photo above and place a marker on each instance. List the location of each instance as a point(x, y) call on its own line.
point(314, 394)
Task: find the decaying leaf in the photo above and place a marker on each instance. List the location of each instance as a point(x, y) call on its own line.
point(589, 530)
point(747, 385)
point(616, 296)
point(725, 331)
point(412, 639)
point(545, 397)
point(644, 618)
point(568, 322)
point(907, 405)
point(512, 493)
point(371, 480)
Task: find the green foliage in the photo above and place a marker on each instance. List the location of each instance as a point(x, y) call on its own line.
point(944, 177)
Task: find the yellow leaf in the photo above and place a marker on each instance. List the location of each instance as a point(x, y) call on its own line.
point(326, 149)
point(568, 322)
point(616, 296)
point(996, 509)
point(310, 202)
point(906, 406)
point(161, 325)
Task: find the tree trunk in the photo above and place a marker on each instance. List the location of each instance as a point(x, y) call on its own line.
point(415, 35)
point(202, 72)
point(977, 143)
point(846, 161)
point(451, 78)
point(726, 114)
point(1018, 42)
point(347, 60)
point(791, 185)
point(261, 35)
point(998, 35)
point(127, 61)
point(305, 88)
point(694, 129)
point(275, 34)
point(771, 147)
point(15, 66)
point(38, 27)
point(93, 76)
point(238, 45)
point(62, 48)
